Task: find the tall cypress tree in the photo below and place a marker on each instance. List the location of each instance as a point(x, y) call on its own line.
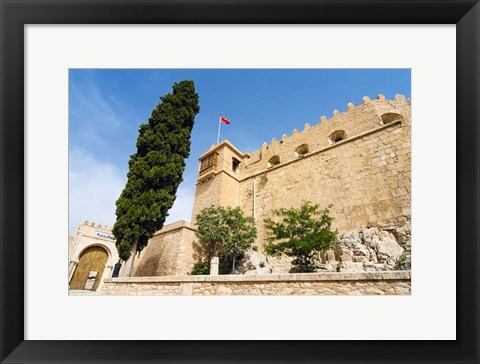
point(155, 171)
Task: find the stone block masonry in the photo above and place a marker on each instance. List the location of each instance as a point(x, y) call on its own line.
point(363, 283)
point(169, 252)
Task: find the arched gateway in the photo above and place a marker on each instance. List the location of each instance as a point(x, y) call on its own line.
point(89, 270)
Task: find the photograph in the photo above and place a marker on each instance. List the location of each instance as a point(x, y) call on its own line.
point(239, 182)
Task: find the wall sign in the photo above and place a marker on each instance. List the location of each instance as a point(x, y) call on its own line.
point(104, 236)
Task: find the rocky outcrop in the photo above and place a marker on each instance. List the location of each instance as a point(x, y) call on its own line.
point(368, 250)
point(371, 249)
point(257, 264)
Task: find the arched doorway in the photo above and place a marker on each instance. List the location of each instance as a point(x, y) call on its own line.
point(89, 269)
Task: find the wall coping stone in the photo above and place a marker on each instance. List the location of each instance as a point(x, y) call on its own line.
point(297, 277)
point(180, 224)
point(227, 143)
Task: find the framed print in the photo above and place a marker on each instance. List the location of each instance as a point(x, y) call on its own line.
point(45, 45)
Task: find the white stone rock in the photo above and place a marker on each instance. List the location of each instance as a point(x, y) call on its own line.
point(391, 249)
point(377, 249)
point(264, 270)
point(327, 268)
point(258, 264)
point(372, 267)
point(350, 267)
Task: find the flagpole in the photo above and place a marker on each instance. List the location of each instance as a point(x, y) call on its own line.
point(219, 123)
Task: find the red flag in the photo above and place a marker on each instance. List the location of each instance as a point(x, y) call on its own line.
point(224, 120)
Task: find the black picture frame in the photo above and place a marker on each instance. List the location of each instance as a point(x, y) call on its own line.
point(15, 14)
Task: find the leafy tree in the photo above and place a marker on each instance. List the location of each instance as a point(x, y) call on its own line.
point(155, 170)
point(226, 233)
point(302, 233)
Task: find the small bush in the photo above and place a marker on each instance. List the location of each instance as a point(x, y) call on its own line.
point(226, 233)
point(401, 259)
point(262, 265)
point(300, 233)
point(255, 248)
point(403, 262)
point(200, 268)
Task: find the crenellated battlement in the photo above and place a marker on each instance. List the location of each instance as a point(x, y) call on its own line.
point(356, 120)
point(93, 224)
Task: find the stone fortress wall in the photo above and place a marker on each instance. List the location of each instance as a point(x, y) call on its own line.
point(366, 283)
point(359, 161)
point(169, 252)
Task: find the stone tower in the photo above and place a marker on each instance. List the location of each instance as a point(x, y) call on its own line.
point(219, 174)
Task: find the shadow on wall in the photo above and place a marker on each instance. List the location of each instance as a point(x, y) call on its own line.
point(150, 265)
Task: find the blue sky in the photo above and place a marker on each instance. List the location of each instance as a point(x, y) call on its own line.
point(106, 107)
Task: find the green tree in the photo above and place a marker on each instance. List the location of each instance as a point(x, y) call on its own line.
point(155, 171)
point(302, 233)
point(226, 233)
